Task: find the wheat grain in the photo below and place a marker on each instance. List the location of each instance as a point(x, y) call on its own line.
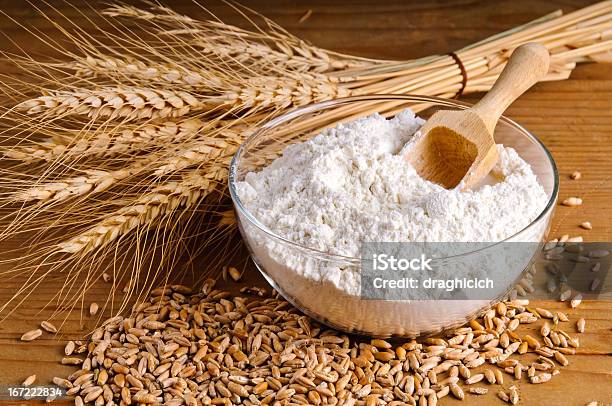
point(566, 294)
point(544, 313)
point(576, 175)
point(93, 309)
point(29, 380)
point(48, 326)
point(316, 364)
point(561, 359)
point(235, 274)
point(541, 378)
point(550, 244)
point(580, 325)
point(513, 395)
point(71, 361)
point(503, 396)
point(597, 254)
point(31, 335)
point(478, 391)
point(61, 382)
point(489, 375)
point(562, 316)
point(70, 347)
point(575, 302)
point(572, 201)
point(457, 391)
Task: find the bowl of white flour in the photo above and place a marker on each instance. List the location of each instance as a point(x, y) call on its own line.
point(312, 187)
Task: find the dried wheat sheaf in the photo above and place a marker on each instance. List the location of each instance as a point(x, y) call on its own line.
point(116, 147)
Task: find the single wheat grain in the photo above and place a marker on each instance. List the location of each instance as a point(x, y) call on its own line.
point(31, 335)
point(48, 326)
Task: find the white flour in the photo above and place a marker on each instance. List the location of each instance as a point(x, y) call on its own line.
point(350, 184)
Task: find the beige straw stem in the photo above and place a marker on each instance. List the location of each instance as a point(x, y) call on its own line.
point(584, 51)
point(556, 24)
point(595, 21)
point(392, 85)
point(427, 61)
point(565, 36)
point(401, 69)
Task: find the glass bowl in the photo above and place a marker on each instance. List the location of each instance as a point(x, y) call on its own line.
point(282, 262)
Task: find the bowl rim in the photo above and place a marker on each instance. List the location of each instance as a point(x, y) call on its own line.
point(346, 100)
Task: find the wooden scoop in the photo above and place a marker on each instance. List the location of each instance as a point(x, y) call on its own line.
point(456, 147)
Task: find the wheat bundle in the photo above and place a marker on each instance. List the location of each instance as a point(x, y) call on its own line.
point(130, 129)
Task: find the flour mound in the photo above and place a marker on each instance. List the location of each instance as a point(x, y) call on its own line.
point(350, 184)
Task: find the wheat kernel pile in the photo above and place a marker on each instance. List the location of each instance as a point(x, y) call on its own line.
point(215, 348)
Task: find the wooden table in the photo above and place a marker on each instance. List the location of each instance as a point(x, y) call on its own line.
point(573, 118)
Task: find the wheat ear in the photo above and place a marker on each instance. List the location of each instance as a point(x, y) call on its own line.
point(271, 45)
point(128, 103)
point(139, 103)
point(146, 210)
point(280, 93)
point(108, 142)
point(91, 182)
point(138, 70)
point(218, 149)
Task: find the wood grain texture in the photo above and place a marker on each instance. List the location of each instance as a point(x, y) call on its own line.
point(573, 118)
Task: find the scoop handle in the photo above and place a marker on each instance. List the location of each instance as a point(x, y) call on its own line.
point(527, 65)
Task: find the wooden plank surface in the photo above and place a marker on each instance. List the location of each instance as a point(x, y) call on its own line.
point(573, 118)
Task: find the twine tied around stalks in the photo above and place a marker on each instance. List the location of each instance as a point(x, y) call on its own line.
point(464, 76)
